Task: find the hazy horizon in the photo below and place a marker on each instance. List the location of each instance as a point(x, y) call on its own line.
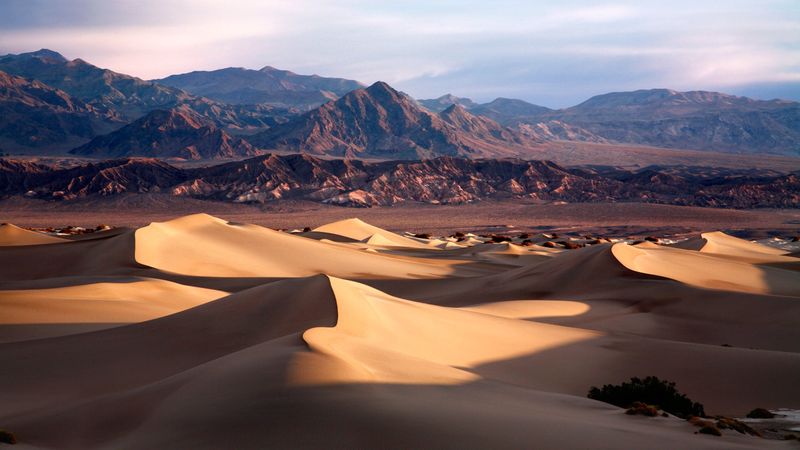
point(555, 56)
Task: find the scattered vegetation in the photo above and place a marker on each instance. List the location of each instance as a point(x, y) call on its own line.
point(7, 437)
point(651, 239)
point(760, 413)
point(727, 423)
point(306, 229)
point(497, 239)
point(423, 235)
point(526, 243)
point(651, 391)
point(713, 426)
point(549, 244)
point(459, 234)
point(642, 409)
point(710, 429)
point(524, 235)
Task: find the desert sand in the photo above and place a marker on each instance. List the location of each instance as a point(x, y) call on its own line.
point(202, 333)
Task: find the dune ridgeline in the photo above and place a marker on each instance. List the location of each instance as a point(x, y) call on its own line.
point(202, 333)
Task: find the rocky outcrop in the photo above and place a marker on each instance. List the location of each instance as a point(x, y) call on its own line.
point(444, 180)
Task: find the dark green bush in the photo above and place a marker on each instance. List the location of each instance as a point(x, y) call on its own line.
point(760, 413)
point(652, 391)
point(7, 437)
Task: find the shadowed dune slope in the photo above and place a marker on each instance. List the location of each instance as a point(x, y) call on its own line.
point(224, 335)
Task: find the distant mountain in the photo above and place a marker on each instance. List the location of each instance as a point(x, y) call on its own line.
point(440, 104)
point(364, 184)
point(122, 95)
point(556, 130)
point(269, 85)
point(480, 129)
point(35, 115)
point(380, 122)
point(509, 111)
point(168, 134)
point(689, 120)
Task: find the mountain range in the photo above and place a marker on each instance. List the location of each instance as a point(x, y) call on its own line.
point(381, 122)
point(236, 85)
point(52, 105)
point(698, 120)
point(443, 180)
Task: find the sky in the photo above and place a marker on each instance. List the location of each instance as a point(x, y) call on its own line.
point(555, 54)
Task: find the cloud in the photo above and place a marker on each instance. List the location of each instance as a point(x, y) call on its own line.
point(540, 51)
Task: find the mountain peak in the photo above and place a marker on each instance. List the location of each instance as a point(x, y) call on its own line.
point(381, 86)
point(46, 54)
point(454, 109)
point(270, 69)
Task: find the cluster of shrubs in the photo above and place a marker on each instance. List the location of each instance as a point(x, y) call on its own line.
point(650, 396)
point(7, 437)
point(651, 391)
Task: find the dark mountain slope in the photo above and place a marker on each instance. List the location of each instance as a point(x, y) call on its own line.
point(167, 134)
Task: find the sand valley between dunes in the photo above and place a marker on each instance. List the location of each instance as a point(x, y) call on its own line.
point(198, 332)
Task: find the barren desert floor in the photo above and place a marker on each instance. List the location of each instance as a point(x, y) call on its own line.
point(604, 219)
point(215, 332)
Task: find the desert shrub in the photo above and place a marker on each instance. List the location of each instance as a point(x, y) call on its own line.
point(549, 244)
point(651, 239)
point(651, 391)
point(642, 409)
point(459, 234)
point(524, 235)
point(423, 235)
point(526, 243)
point(306, 229)
point(727, 423)
point(699, 421)
point(760, 413)
point(710, 429)
point(498, 239)
point(6, 437)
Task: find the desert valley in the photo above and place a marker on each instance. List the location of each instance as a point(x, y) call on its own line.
point(235, 258)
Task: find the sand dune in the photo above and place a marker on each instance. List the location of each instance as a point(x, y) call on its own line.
point(240, 250)
point(707, 270)
point(721, 244)
point(359, 230)
point(200, 333)
point(14, 235)
point(119, 302)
